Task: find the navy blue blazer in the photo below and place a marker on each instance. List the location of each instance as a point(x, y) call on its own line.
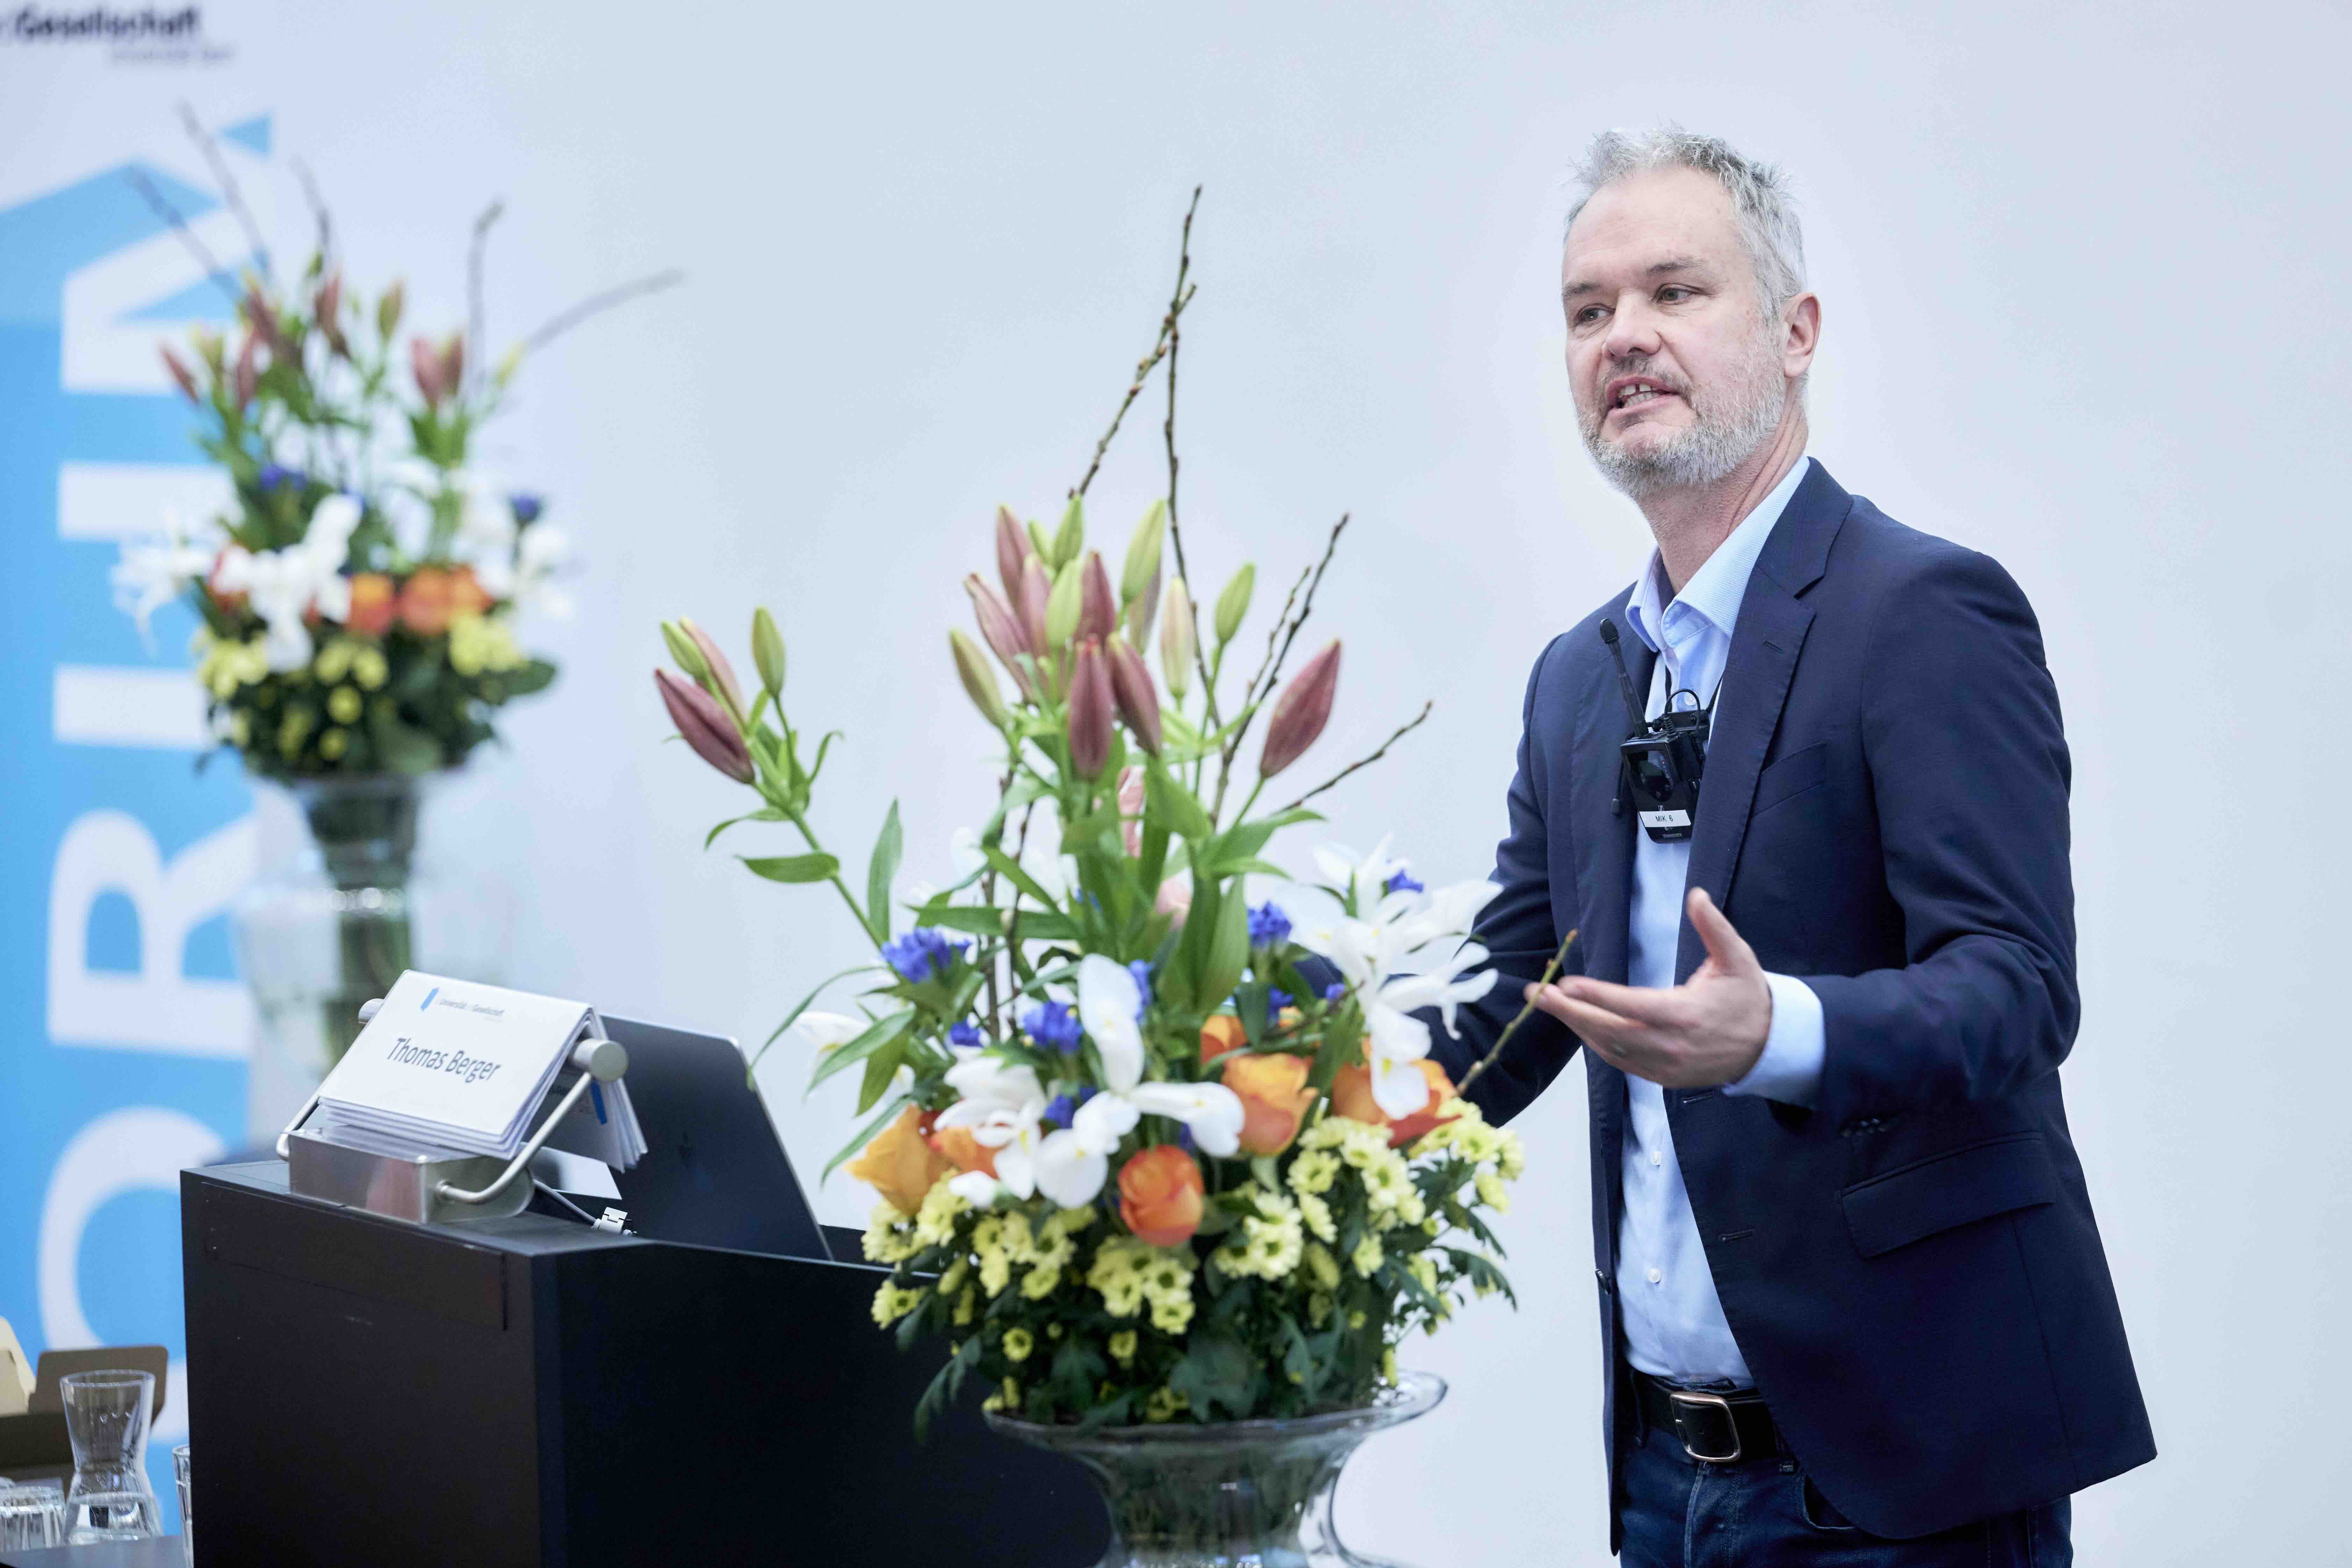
point(1910, 1267)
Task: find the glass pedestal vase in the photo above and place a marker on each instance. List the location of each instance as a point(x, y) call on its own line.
point(323, 933)
point(1236, 1494)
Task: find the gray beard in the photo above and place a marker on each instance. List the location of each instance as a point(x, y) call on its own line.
point(1725, 432)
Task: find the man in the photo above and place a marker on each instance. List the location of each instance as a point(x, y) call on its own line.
point(1854, 1305)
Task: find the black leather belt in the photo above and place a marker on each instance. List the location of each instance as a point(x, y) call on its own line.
point(1715, 1428)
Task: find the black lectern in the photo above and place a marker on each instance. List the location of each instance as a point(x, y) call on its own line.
point(527, 1391)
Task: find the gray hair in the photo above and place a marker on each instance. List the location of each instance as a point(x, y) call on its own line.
point(1760, 195)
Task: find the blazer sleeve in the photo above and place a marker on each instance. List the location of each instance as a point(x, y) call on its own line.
point(1518, 930)
point(1970, 773)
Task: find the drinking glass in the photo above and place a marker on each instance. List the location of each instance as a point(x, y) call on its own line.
point(187, 1506)
point(106, 1418)
point(32, 1513)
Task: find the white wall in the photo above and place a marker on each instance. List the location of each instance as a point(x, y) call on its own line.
point(2082, 283)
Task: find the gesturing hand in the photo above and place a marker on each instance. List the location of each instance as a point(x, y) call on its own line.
point(1709, 1030)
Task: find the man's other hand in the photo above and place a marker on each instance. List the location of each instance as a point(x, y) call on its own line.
point(1707, 1031)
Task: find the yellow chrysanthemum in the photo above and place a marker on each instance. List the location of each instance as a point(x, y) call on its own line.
point(1122, 1347)
point(1165, 1405)
point(1018, 1344)
point(892, 1303)
point(1368, 1256)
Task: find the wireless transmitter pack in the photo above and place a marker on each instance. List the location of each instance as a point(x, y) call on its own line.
point(1662, 761)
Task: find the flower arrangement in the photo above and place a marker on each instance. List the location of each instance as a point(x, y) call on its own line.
point(1147, 1151)
point(358, 603)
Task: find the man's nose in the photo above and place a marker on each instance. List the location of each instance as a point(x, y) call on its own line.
point(1633, 330)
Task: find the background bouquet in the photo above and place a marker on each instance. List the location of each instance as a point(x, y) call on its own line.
point(1146, 1150)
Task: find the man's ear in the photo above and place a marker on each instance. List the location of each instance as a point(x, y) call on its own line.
point(1802, 334)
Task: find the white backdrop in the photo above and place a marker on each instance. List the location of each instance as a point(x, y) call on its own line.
point(2081, 274)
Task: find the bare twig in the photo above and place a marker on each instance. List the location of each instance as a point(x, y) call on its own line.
point(318, 206)
point(1305, 608)
point(477, 345)
point(1551, 972)
point(595, 304)
point(1168, 432)
point(1404, 730)
point(229, 193)
point(172, 216)
point(1271, 671)
point(1143, 368)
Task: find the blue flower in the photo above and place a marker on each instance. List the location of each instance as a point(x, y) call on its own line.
point(963, 1032)
point(1184, 1140)
point(1060, 1109)
point(1141, 970)
point(272, 476)
point(1401, 882)
point(1335, 992)
point(1276, 999)
point(924, 954)
point(527, 508)
point(1052, 1026)
point(1268, 925)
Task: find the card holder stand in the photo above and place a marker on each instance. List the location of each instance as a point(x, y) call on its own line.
point(418, 1188)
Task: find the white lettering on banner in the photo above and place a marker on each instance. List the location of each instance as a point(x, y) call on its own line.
point(159, 1008)
point(138, 1148)
point(102, 705)
point(130, 501)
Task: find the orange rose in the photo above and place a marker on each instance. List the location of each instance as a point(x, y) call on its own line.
point(466, 594)
point(967, 1153)
point(1351, 1097)
point(373, 604)
point(900, 1165)
point(424, 602)
point(1221, 1034)
point(1275, 1099)
point(1159, 1195)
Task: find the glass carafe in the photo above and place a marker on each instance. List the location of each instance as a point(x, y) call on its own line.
point(106, 1420)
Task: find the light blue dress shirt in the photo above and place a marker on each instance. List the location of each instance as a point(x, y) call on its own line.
point(1673, 1321)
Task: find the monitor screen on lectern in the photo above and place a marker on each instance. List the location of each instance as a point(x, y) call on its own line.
point(714, 1173)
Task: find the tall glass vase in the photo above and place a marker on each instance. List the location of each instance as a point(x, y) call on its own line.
point(1234, 1494)
point(333, 926)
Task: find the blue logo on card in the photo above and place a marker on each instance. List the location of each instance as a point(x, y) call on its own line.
point(428, 998)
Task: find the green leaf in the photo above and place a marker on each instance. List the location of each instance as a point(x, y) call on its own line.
point(977, 918)
point(532, 676)
point(879, 1068)
point(883, 1032)
point(792, 868)
point(862, 1137)
point(1010, 869)
point(1043, 925)
point(879, 871)
point(765, 813)
point(1173, 804)
point(1217, 1374)
point(1221, 970)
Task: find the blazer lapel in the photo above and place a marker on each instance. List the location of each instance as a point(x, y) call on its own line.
point(1764, 643)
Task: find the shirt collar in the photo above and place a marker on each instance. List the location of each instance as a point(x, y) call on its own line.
point(1719, 585)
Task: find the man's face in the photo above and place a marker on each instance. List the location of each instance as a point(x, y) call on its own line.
point(1677, 379)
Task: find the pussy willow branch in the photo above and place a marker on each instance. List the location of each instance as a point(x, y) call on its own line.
point(595, 304)
point(1261, 684)
point(1551, 972)
point(1143, 368)
point(1168, 435)
point(478, 347)
point(1305, 608)
point(172, 214)
point(229, 193)
point(1407, 728)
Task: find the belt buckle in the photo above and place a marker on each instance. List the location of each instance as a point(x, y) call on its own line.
point(1681, 1398)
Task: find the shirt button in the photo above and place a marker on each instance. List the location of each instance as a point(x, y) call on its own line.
point(1656, 1158)
point(1655, 1277)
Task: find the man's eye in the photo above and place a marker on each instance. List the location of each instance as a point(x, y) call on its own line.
point(1672, 294)
point(1587, 316)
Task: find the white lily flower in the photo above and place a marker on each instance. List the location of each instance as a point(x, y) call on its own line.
point(1109, 1001)
point(1407, 952)
point(828, 1031)
point(152, 573)
point(1003, 1104)
point(1074, 1161)
point(1365, 880)
point(283, 586)
point(485, 521)
point(977, 1188)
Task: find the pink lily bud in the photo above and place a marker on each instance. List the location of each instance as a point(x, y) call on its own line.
point(704, 725)
point(329, 313)
point(181, 374)
point(427, 366)
point(722, 674)
point(1175, 897)
point(247, 377)
point(453, 363)
point(1036, 589)
point(1011, 549)
point(264, 322)
point(1098, 610)
point(1090, 712)
point(1301, 711)
point(1138, 700)
point(1130, 808)
point(1001, 632)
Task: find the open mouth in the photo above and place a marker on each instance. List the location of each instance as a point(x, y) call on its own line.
point(1633, 391)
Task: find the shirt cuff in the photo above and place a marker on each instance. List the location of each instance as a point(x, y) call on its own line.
point(1789, 1070)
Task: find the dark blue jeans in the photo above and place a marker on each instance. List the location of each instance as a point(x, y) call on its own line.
point(1764, 1513)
